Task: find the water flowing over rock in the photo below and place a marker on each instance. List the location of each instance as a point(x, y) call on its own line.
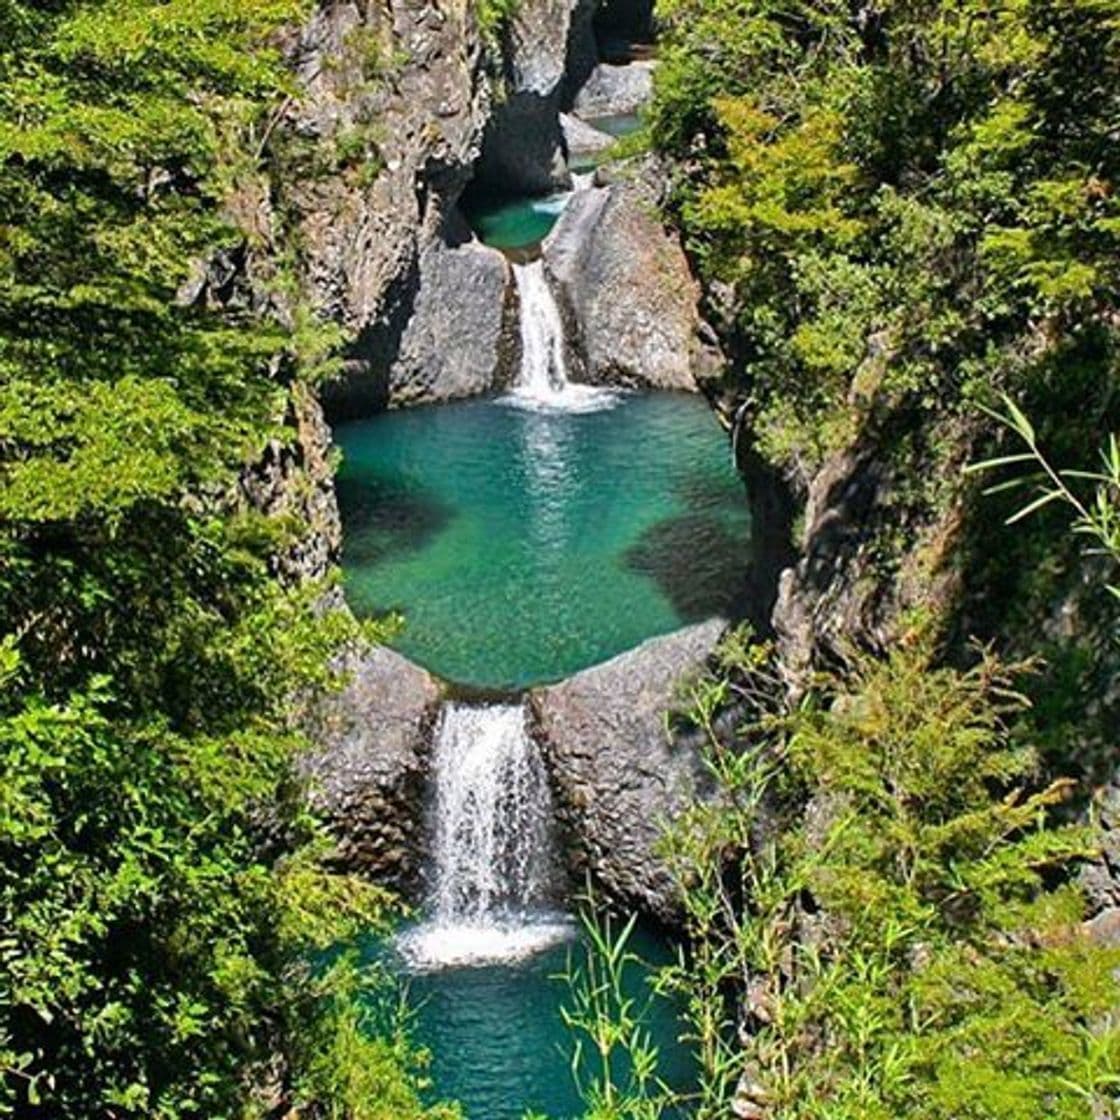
point(543, 381)
point(368, 770)
point(619, 774)
point(627, 291)
point(491, 848)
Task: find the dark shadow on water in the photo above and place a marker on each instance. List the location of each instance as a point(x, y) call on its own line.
point(384, 519)
point(699, 564)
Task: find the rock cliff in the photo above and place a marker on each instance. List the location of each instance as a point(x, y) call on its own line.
point(620, 773)
point(627, 292)
point(368, 772)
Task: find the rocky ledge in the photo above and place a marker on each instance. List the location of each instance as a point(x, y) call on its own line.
point(368, 772)
point(627, 292)
point(619, 774)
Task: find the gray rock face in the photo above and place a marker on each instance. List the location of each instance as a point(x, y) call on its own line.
point(837, 599)
point(523, 150)
point(367, 773)
point(619, 776)
point(625, 287)
point(616, 90)
point(454, 335)
point(383, 137)
point(581, 139)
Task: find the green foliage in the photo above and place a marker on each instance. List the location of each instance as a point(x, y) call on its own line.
point(883, 921)
point(1097, 517)
point(358, 1062)
point(910, 205)
point(494, 15)
point(158, 896)
point(614, 1059)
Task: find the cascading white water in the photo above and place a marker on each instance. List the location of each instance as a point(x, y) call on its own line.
point(491, 815)
point(544, 367)
point(543, 383)
point(491, 855)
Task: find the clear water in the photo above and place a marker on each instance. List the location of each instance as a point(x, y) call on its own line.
point(516, 223)
point(617, 124)
point(522, 544)
point(498, 1043)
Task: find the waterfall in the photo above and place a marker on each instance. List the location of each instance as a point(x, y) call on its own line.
point(492, 860)
point(543, 383)
point(544, 367)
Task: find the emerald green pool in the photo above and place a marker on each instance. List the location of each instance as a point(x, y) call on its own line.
point(522, 546)
point(497, 1040)
point(617, 124)
point(516, 223)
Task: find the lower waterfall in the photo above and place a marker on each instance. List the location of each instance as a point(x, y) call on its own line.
point(492, 859)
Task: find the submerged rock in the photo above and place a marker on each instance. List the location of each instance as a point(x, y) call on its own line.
point(625, 287)
point(619, 774)
point(368, 772)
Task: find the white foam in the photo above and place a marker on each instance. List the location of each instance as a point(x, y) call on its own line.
point(434, 946)
point(543, 384)
point(574, 397)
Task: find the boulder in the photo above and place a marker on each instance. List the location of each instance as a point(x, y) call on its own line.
point(618, 774)
point(581, 140)
point(367, 773)
point(625, 288)
point(615, 90)
point(450, 335)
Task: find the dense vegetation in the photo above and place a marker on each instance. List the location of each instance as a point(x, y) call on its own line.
point(900, 212)
point(910, 203)
point(906, 219)
point(158, 897)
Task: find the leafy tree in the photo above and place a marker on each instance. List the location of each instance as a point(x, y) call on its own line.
point(906, 206)
point(158, 901)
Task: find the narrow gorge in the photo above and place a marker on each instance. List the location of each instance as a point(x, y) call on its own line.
point(559, 560)
point(552, 507)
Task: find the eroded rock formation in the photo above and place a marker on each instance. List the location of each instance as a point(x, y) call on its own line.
point(619, 773)
point(368, 773)
point(627, 291)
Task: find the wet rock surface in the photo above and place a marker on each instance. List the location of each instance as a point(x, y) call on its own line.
point(618, 773)
point(382, 141)
point(627, 292)
point(368, 773)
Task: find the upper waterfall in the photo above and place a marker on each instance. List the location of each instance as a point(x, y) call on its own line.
point(492, 858)
point(543, 382)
